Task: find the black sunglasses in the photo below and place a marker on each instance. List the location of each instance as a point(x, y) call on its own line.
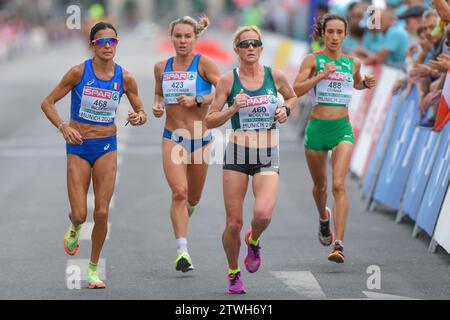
point(250, 42)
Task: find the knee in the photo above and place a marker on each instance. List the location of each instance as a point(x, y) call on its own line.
point(179, 193)
point(100, 215)
point(194, 200)
point(338, 187)
point(320, 188)
point(263, 215)
point(78, 217)
point(234, 225)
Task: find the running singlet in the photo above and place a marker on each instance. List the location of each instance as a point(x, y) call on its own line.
point(183, 83)
point(259, 113)
point(95, 101)
point(337, 89)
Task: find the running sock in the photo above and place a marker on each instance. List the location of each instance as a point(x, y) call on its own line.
point(253, 242)
point(181, 245)
point(75, 228)
point(234, 271)
point(93, 267)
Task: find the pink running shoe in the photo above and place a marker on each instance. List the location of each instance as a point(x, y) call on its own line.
point(253, 259)
point(235, 286)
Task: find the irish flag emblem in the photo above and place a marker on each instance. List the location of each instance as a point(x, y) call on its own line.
point(116, 86)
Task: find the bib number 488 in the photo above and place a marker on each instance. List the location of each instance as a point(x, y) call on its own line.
point(335, 85)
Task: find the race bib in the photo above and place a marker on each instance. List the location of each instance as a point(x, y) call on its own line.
point(99, 105)
point(178, 83)
point(259, 113)
point(336, 89)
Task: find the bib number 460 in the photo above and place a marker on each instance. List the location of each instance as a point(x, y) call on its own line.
point(259, 109)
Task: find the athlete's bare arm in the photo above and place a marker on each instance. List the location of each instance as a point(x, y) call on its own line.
point(130, 88)
point(69, 80)
point(305, 80)
point(158, 108)
point(209, 70)
point(285, 89)
point(216, 115)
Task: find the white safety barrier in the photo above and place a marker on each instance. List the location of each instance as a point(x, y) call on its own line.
point(373, 120)
point(442, 231)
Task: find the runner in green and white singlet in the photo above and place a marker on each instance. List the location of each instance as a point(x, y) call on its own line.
point(253, 107)
point(331, 76)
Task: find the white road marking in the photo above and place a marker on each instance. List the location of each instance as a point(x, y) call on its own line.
point(371, 295)
point(86, 231)
point(302, 282)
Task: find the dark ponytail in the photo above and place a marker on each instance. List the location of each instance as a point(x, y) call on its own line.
point(320, 24)
point(101, 26)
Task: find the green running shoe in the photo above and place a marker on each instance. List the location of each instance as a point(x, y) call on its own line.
point(93, 280)
point(71, 243)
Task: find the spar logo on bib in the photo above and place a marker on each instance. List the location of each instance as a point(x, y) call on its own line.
point(179, 76)
point(336, 76)
point(99, 93)
point(261, 100)
point(115, 96)
point(348, 78)
point(273, 99)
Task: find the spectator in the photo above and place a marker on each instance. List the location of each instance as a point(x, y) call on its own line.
point(394, 43)
point(355, 35)
point(397, 7)
point(413, 18)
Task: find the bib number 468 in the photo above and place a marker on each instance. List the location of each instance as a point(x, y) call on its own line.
point(100, 103)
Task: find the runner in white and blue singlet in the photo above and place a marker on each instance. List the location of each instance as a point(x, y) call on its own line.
point(97, 86)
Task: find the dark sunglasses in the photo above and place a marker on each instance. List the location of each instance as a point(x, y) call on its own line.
point(103, 42)
point(250, 42)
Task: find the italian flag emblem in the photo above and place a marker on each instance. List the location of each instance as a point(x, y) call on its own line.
point(116, 86)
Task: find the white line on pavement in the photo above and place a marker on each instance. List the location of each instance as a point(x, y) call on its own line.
point(302, 282)
point(86, 231)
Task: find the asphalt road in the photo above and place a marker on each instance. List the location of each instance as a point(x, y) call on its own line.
point(138, 256)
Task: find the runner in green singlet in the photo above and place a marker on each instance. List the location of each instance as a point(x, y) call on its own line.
point(254, 109)
point(332, 75)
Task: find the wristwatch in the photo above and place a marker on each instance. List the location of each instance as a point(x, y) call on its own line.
point(288, 110)
point(199, 101)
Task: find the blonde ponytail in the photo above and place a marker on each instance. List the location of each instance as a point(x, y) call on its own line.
point(199, 27)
